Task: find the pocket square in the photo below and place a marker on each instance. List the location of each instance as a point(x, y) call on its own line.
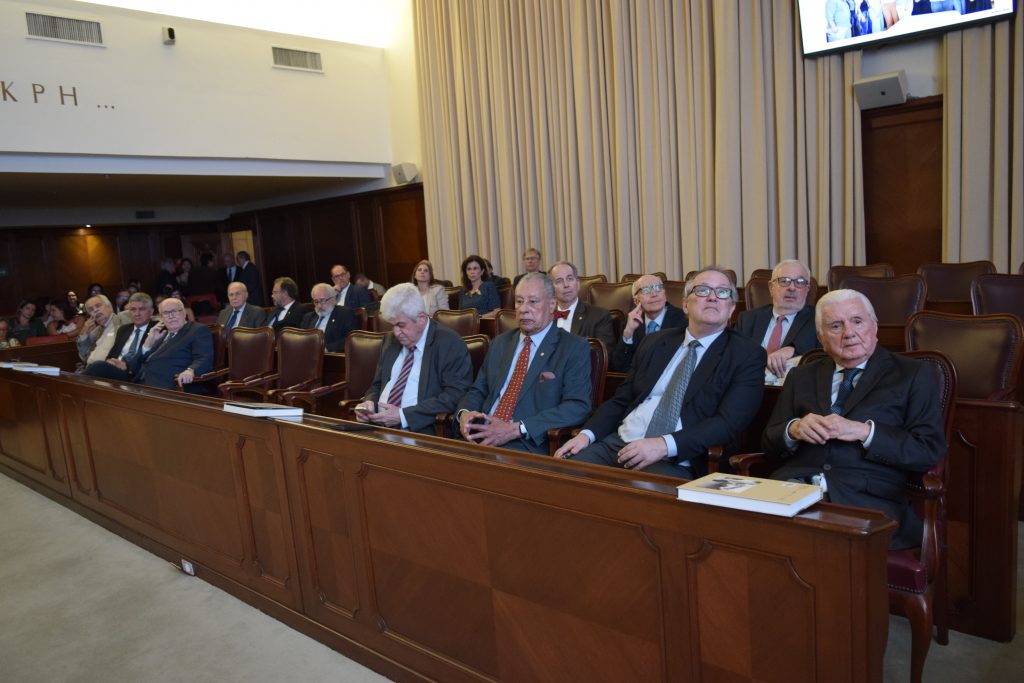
point(545, 376)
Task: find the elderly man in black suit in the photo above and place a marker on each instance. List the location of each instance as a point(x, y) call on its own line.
point(652, 313)
point(688, 389)
point(534, 378)
point(424, 368)
point(175, 352)
point(127, 340)
point(785, 327)
point(288, 311)
point(347, 292)
point(239, 312)
point(860, 420)
point(333, 320)
point(575, 316)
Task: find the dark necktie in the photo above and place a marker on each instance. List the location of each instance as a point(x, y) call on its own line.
point(775, 341)
point(234, 318)
point(671, 404)
point(845, 389)
point(395, 395)
point(320, 322)
point(134, 346)
point(507, 404)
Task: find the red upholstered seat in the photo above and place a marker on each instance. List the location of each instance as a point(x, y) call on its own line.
point(906, 572)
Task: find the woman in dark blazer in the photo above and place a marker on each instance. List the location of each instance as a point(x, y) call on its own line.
point(477, 289)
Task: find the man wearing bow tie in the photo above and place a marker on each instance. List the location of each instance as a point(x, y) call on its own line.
point(175, 352)
point(575, 316)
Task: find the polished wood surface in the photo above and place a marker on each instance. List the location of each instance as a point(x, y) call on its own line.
point(64, 355)
point(430, 559)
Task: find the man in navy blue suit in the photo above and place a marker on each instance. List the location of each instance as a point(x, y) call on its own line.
point(688, 389)
point(347, 292)
point(175, 350)
point(334, 321)
point(652, 313)
point(784, 328)
point(533, 379)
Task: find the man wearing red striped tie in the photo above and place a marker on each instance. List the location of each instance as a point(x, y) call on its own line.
point(424, 368)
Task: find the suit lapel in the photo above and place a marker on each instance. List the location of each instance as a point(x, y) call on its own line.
point(577, 320)
point(876, 368)
point(762, 319)
point(425, 361)
point(799, 320)
point(823, 385)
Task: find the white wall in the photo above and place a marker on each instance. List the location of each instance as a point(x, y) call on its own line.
point(920, 58)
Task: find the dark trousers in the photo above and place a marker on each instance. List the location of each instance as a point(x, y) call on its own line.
point(606, 452)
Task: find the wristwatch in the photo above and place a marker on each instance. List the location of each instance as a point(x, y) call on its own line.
point(522, 429)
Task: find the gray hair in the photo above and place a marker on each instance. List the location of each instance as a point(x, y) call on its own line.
point(141, 297)
point(790, 262)
point(575, 273)
point(711, 269)
point(635, 288)
point(103, 300)
point(543, 278)
point(838, 296)
point(240, 284)
point(402, 299)
point(320, 285)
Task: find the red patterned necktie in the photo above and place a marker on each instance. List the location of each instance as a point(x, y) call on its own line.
point(561, 315)
point(775, 341)
point(395, 395)
point(507, 404)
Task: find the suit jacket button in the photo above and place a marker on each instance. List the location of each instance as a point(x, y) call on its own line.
point(827, 467)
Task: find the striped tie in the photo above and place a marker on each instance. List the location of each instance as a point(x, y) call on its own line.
point(395, 395)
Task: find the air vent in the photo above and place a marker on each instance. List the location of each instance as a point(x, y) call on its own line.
point(63, 28)
point(297, 59)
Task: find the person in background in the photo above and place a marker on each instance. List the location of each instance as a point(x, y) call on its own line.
point(121, 300)
point(225, 276)
point(25, 324)
point(95, 289)
point(134, 286)
point(333, 320)
point(498, 280)
point(183, 273)
point(432, 292)
point(166, 277)
point(575, 316)
point(72, 300)
point(66, 319)
point(250, 275)
point(531, 264)
point(348, 293)
point(203, 280)
point(652, 313)
point(190, 315)
point(6, 342)
point(239, 312)
point(97, 335)
point(369, 284)
point(477, 289)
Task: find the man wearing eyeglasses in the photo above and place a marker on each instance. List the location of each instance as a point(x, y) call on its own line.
point(175, 351)
point(333, 320)
point(784, 328)
point(689, 388)
point(652, 313)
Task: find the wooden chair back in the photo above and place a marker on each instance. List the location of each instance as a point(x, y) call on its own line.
point(477, 345)
point(362, 354)
point(464, 321)
point(586, 281)
point(837, 273)
point(614, 296)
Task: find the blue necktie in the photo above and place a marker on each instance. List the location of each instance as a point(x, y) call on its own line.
point(234, 319)
point(134, 345)
point(845, 389)
point(652, 327)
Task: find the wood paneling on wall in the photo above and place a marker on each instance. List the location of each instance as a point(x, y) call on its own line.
point(902, 151)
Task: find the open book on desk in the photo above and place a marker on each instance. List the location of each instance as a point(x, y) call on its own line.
point(754, 494)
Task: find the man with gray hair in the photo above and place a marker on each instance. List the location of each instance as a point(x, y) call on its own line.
point(239, 312)
point(785, 327)
point(97, 335)
point(575, 316)
point(859, 421)
point(333, 320)
point(652, 313)
point(424, 368)
point(128, 340)
point(534, 378)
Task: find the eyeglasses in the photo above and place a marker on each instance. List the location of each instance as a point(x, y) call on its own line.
point(704, 291)
point(174, 311)
point(323, 301)
point(800, 282)
point(651, 288)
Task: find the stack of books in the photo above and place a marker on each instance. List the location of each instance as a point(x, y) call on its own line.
point(254, 409)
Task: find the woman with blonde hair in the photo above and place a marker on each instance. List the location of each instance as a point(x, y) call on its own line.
point(432, 292)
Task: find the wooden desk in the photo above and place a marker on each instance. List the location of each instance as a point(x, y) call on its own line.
point(64, 355)
point(429, 559)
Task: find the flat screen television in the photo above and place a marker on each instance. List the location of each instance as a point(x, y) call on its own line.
point(834, 25)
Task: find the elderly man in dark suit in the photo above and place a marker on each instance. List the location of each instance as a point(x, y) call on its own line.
point(288, 311)
point(333, 320)
point(239, 312)
point(785, 327)
point(533, 379)
point(424, 367)
point(860, 420)
point(689, 388)
point(175, 352)
point(575, 316)
point(652, 313)
point(347, 292)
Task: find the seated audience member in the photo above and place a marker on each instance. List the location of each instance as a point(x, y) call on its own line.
point(652, 313)
point(688, 389)
point(48, 317)
point(333, 320)
point(573, 315)
point(785, 327)
point(167, 276)
point(435, 298)
point(183, 274)
point(477, 290)
point(289, 312)
point(73, 301)
point(860, 420)
point(190, 315)
point(239, 312)
point(531, 264)
point(533, 379)
point(25, 324)
point(121, 300)
point(127, 341)
point(97, 335)
point(368, 284)
point(175, 351)
point(498, 280)
point(6, 341)
point(424, 368)
point(64, 319)
point(94, 289)
point(347, 292)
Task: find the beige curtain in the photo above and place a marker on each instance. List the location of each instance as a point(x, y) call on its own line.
point(983, 146)
point(635, 136)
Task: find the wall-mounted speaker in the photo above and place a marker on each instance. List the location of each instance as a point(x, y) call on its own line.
point(168, 33)
point(883, 90)
point(404, 172)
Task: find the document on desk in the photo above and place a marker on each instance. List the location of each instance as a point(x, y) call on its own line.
point(754, 494)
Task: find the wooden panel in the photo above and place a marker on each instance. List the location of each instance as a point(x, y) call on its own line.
point(902, 156)
point(24, 437)
point(64, 355)
point(331, 236)
point(404, 234)
point(139, 256)
point(278, 243)
point(104, 265)
point(34, 269)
